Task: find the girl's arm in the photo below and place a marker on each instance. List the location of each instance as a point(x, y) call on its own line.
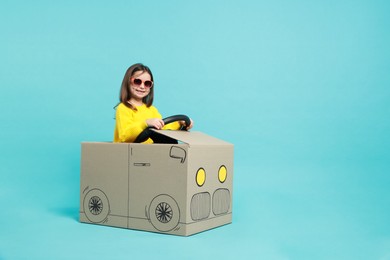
point(128, 125)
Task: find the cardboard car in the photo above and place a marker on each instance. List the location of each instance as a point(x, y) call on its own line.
point(180, 188)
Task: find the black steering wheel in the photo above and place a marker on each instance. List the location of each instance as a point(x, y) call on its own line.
point(147, 133)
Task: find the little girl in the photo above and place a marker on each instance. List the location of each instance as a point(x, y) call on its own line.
point(135, 111)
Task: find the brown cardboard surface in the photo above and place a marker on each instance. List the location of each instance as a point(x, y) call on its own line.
point(166, 188)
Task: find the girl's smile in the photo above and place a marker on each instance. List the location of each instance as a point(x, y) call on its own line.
point(140, 91)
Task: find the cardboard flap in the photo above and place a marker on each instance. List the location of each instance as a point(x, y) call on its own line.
point(192, 137)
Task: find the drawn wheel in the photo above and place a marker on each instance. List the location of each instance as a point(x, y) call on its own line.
point(164, 213)
point(96, 206)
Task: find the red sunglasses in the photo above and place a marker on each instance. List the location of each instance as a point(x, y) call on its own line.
point(138, 82)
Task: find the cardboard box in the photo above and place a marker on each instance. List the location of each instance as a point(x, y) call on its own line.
point(179, 189)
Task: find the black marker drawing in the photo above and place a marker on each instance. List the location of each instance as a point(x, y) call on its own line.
point(180, 189)
point(178, 153)
point(96, 206)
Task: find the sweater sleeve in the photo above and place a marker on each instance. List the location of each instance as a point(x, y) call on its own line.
point(127, 125)
point(172, 126)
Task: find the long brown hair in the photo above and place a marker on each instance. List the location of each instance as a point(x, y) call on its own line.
point(125, 94)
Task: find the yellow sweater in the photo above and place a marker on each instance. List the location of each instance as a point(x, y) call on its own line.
point(130, 123)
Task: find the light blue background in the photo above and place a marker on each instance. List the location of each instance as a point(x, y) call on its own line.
point(300, 87)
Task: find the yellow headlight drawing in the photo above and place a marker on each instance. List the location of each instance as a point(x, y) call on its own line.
point(222, 174)
point(200, 177)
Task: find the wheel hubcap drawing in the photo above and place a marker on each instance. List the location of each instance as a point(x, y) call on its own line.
point(95, 205)
point(164, 212)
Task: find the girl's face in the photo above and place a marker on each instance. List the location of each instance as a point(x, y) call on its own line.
point(140, 84)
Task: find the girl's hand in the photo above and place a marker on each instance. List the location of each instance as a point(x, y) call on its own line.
point(155, 122)
point(189, 126)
